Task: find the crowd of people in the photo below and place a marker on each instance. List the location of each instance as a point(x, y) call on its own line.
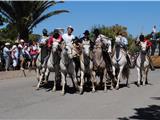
point(21, 54)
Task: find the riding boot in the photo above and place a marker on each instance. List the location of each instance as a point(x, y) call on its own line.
point(151, 63)
point(128, 61)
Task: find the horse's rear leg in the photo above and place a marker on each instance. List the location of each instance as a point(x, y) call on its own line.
point(93, 79)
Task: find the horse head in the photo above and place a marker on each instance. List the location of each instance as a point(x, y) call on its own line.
point(86, 47)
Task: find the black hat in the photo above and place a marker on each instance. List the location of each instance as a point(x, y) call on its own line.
point(56, 31)
point(96, 31)
point(141, 37)
point(45, 31)
point(86, 32)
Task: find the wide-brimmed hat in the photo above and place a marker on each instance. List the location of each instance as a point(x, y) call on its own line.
point(14, 46)
point(70, 27)
point(20, 46)
point(21, 40)
point(7, 43)
point(86, 32)
point(17, 41)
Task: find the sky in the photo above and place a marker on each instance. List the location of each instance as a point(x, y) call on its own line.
point(136, 16)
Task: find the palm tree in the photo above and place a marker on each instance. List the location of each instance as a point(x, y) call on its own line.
point(25, 15)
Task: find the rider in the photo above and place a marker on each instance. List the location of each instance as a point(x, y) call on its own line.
point(149, 44)
point(121, 38)
point(43, 45)
point(68, 37)
point(107, 51)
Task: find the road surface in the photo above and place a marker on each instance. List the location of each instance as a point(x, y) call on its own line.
point(20, 100)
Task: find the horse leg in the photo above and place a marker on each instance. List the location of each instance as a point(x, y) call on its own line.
point(93, 79)
point(82, 82)
point(38, 73)
point(55, 81)
point(139, 76)
point(119, 75)
point(63, 82)
point(147, 76)
point(46, 75)
point(40, 81)
point(105, 80)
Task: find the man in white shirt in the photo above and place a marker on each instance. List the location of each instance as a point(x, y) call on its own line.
point(68, 37)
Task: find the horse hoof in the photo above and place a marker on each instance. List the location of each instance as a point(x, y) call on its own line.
point(81, 91)
point(93, 91)
point(37, 88)
point(138, 85)
point(105, 91)
point(117, 87)
point(62, 93)
point(53, 90)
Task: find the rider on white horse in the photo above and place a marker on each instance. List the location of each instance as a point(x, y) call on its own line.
point(149, 44)
point(121, 38)
point(43, 45)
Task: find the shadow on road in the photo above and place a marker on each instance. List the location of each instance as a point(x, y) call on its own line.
point(152, 112)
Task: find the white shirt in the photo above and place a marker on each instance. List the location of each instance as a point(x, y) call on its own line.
point(43, 39)
point(106, 41)
point(68, 38)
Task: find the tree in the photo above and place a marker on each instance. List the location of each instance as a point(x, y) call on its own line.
point(25, 15)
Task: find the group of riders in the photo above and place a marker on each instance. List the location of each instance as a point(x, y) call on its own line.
point(45, 43)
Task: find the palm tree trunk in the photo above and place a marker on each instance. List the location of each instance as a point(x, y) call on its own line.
point(24, 35)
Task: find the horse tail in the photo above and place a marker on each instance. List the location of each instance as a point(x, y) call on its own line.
point(125, 72)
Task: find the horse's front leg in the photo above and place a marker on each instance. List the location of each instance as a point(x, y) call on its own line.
point(38, 74)
point(93, 79)
point(46, 75)
point(139, 76)
point(105, 80)
point(82, 82)
point(63, 75)
point(119, 76)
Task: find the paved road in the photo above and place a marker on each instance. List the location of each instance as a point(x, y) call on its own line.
point(19, 100)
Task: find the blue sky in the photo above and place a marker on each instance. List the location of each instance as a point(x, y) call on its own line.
point(136, 16)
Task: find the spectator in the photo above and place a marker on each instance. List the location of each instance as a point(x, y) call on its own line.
point(6, 56)
point(154, 42)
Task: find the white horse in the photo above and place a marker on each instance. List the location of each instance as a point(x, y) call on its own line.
point(67, 66)
point(120, 67)
point(86, 63)
point(52, 65)
point(142, 64)
point(99, 66)
point(39, 65)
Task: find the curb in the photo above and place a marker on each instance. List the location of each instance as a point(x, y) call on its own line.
point(16, 74)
